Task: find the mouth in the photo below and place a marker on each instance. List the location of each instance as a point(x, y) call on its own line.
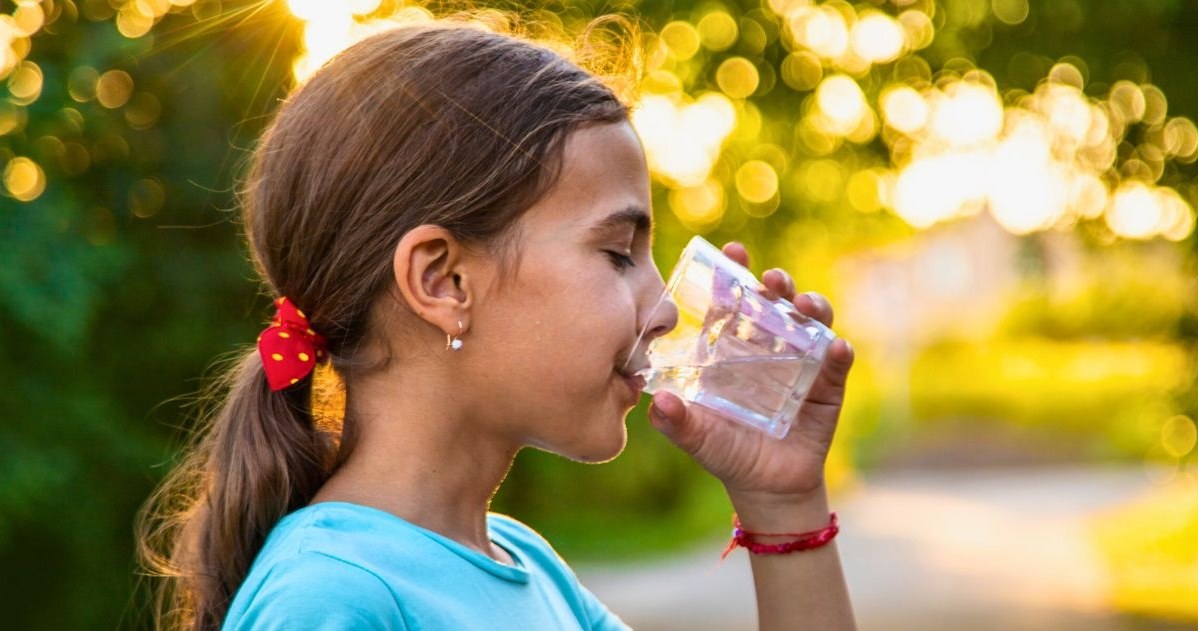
point(635, 383)
point(634, 379)
point(630, 369)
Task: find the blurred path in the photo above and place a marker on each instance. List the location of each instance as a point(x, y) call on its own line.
point(977, 550)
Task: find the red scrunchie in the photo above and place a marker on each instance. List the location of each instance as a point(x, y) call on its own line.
point(289, 347)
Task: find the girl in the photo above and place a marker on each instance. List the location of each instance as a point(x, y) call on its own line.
point(459, 222)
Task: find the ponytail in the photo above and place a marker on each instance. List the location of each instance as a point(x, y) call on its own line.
point(260, 458)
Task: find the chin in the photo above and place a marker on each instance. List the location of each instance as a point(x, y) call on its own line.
point(608, 455)
point(600, 448)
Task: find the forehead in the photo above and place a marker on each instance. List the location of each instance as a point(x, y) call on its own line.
point(603, 186)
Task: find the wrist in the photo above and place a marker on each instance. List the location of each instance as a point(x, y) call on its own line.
point(782, 512)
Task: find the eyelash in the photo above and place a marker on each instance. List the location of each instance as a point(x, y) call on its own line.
point(621, 261)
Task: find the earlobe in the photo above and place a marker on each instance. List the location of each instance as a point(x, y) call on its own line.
point(430, 273)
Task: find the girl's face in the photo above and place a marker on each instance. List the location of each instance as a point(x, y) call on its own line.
point(553, 339)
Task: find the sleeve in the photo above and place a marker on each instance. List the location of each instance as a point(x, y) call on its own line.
point(600, 617)
point(317, 592)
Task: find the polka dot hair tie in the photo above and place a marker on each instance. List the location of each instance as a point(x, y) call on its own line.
point(289, 347)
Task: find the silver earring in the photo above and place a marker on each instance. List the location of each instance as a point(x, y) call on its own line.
point(454, 342)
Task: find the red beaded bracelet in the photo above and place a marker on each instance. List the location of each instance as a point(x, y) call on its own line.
point(801, 541)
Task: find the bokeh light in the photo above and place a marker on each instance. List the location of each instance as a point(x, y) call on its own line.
point(82, 83)
point(964, 114)
point(683, 138)
point(737, 77)
point(1011, 11)
point(700, 207)
point(24, 179)
point(681, 38)
point(878, 38)
point(820, 29)
point(904, 109)
point(114, 88)
point(146, 198)
point(840, 105)
point(756, 181)
point(1178, 436)
point(717, 31)
point(958, 145)
point(1047, 158)
point(25, 83)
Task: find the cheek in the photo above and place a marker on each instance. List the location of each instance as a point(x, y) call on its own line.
point(558, 334)
point(582, 340)
point(602, 314)
point(582, 335)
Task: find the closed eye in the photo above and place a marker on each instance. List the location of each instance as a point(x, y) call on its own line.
point(620, 260)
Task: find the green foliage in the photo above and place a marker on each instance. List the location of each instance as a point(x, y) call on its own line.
point(1117, 294)
point(107, 316)
point(1111, 396)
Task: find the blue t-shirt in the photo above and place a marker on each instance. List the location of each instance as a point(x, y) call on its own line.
point(336, 565)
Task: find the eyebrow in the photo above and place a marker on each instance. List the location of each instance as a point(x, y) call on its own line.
point(634, 215)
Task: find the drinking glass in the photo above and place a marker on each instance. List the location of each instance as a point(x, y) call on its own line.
point(734, 351)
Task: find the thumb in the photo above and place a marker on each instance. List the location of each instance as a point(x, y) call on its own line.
point(670, 416)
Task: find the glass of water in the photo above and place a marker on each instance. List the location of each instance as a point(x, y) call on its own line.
point(734, 351)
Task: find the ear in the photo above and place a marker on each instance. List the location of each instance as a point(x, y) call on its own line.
point(434, 276)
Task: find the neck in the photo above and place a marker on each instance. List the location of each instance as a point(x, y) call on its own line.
point(420, 457)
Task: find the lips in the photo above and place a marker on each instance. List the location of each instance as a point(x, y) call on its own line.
point(635, 383)
point(628, 368)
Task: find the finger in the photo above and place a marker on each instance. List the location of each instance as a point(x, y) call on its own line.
point(666, 409)
point(736, 251)
point(829, 385)
point(671, 417)
point(780, 283)
point(820, 413)
point(814, 305)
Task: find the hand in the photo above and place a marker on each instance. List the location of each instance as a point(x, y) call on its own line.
point(755, 468)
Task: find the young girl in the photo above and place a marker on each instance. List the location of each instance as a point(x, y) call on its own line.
point(459, 222)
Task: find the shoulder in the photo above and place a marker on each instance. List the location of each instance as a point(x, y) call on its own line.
point(312, 590)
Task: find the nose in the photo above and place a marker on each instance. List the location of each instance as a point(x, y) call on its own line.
point(663, 320)
point(663, 316)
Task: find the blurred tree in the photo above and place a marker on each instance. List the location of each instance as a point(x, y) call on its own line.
point(121, 278)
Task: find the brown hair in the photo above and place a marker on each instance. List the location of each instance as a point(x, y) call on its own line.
point(440, 124)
